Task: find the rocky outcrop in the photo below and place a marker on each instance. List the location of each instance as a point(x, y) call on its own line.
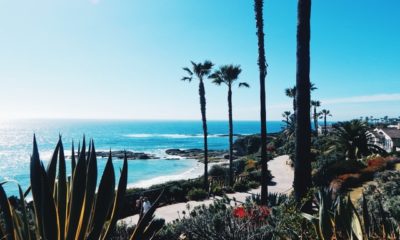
point(247, 145)
point(129, 154)
point(196, 153)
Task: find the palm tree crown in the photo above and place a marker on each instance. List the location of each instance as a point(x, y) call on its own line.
point(200, 70)
point(227, 74)
point(354, 139)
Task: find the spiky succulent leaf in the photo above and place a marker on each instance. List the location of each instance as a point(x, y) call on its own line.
point(119, 199)
point(7, 215)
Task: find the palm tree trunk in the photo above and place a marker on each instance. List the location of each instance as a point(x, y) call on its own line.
point(325, 130)
point(302, 173)
point(202, 94)
point(258, 8)
point(230, 136)
point(315, 121)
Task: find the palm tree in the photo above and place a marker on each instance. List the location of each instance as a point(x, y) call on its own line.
point(258, 8)
point(324, 114)
point(286, 116)
point(315, 104)
point(200, 71)
point(227, 75)
point(291, 93)
point(302, 166)
point(353, 138)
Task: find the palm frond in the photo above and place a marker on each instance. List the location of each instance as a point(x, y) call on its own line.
point(188, 71)
point(244, 84)
point(189, 79)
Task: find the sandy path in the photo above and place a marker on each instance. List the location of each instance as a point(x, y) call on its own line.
point(283, 177)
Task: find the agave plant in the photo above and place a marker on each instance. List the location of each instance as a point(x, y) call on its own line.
point(337, 218)
point(72, 207)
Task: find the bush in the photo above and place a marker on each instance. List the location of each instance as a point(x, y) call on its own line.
point(228, 189)
point(250, 165)
point(222, 221)
point(239, 165)
point(218, 171)
point(256, 176)
point(383, 201)
point(241, 186)
point(197, 194)
point(218, 191)
point(331, 170)
point(253, 184)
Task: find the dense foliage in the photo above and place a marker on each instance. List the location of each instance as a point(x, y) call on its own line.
point(382, 202)
point(221, 220)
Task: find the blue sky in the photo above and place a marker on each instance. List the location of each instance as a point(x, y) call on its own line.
point(124, 59)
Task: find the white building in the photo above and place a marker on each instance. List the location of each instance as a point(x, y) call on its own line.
point(387, 138)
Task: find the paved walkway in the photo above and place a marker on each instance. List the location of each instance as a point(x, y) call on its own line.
point(283, 177)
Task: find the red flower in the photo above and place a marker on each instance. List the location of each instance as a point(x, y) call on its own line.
point(239, 212)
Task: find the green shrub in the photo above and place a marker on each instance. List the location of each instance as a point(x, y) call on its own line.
point(218, 221)
point(328, 172)
point(197, 194)
point(228, 189)
point(253, 184)
point(239, 165)
point(241, 186)
point(218, 171)
point(218, 191)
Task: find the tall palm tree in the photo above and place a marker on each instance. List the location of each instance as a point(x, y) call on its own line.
point(286, 116)
point(201, 71)
point(228, 75)
point(302, 166)
point(315, 104)
point(324, 114)
point(262, 64)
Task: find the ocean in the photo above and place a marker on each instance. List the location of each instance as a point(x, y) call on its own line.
point(139, 136)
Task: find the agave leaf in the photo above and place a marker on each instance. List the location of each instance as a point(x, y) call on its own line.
point(18, 230)
point(36, 185)
point(315, 221)
point(104, 200)
point(366, 217)
point(25, 220)
point(119, 199)
point(146, 219)
point(91, 181)
point(7, 215)
point(154, 227)
point(355, 221)
point(52, 167)
point(27, 191)
point(325, 220)
point(73, 161)
point(78, 189)
point(62, 190)
point(49, 211)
